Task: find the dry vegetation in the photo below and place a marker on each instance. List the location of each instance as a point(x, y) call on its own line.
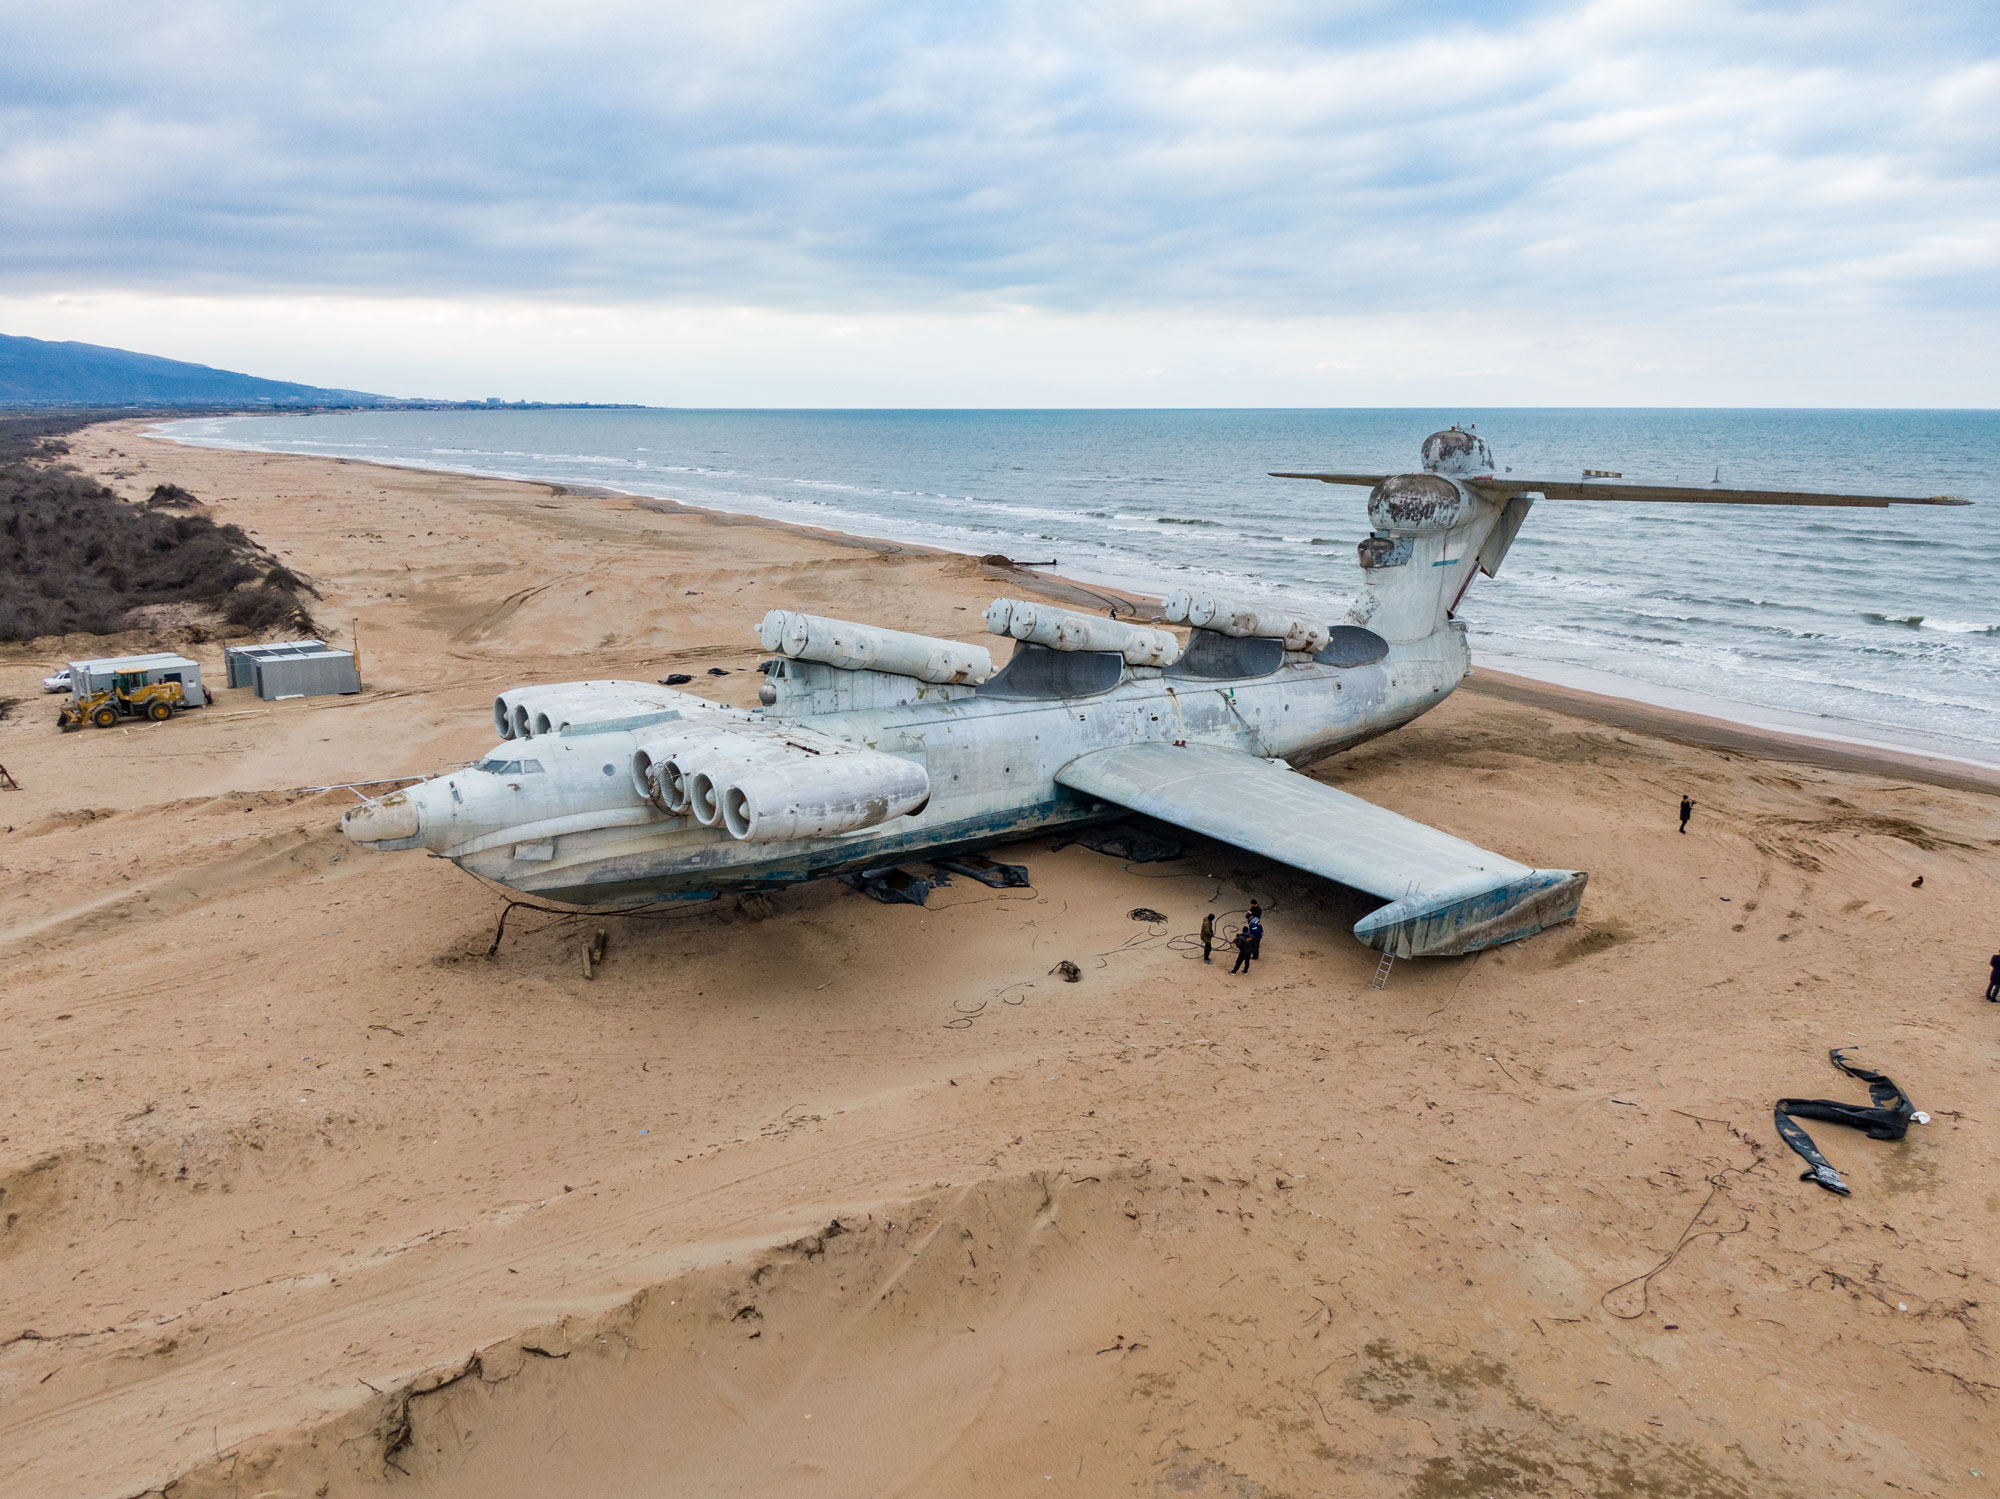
point(75, 558)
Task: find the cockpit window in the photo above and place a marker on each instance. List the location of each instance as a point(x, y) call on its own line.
point(501, 767)
point(531, 767)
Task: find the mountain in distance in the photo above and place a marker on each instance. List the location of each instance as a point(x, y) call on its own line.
point(35, 372)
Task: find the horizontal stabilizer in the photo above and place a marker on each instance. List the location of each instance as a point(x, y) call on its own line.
point(1366, 481)
point(1500, 489)
point(1447, 896)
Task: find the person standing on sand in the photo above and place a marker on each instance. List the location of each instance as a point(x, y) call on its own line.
point(1993, 984)
point(1207, 935)
point(1242, 941)
point(1254, 925)
point(1687, 811)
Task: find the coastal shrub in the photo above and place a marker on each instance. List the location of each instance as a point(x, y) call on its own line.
point(77, 559)
point(40, 434)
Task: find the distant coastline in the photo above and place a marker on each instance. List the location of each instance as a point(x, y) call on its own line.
point(42, 375)
point(172, 408)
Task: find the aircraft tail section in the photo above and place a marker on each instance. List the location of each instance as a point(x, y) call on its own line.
point(1428, 537)
point(1432, 530)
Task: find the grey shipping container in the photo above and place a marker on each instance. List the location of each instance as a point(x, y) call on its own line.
point(86, 677)
point(307, 674)
point(239, 661)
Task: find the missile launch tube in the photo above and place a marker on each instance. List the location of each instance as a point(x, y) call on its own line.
point(1138, 644)
point(1066, 630)
point(842, 643)
point(1228, 617)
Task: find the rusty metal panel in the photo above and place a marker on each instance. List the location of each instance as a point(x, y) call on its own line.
point(1384, 551)
point(1416, 505)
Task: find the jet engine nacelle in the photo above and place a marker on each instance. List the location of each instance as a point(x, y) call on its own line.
point(665, 762)
point(524, 712)
point(805, 796)
point(767, 785)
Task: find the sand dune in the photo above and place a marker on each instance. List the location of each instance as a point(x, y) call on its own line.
point(301, 1192)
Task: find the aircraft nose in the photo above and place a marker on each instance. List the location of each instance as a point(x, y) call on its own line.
point(387, 821)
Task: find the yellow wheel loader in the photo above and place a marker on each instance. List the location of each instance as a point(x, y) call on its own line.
point(127, 697)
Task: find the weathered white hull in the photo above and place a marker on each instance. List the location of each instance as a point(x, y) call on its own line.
point(992, 764)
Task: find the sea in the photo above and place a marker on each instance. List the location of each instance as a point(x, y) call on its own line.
point(1870, 626)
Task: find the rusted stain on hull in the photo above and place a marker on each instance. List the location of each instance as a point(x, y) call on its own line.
point(1413, 504)
point(1458, 453)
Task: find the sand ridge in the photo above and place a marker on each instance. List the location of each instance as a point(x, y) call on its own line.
point(296, 1178)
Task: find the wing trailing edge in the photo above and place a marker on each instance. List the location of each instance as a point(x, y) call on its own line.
point(1445, 895)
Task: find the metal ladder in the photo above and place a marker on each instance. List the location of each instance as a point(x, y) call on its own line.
point(1382, 968)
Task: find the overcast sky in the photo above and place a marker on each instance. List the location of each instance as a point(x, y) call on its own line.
point(1117, 203)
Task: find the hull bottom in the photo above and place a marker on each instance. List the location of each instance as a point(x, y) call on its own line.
point(608, 888)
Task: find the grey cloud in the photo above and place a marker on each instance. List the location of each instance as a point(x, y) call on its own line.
point(1265, 158)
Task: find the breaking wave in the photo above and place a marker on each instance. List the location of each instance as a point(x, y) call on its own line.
point(1924, 622)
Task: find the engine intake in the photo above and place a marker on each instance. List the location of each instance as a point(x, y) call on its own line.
point(765, 783)
point(524, 712)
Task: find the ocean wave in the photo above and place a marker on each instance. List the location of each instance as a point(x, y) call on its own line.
point(1926, 622)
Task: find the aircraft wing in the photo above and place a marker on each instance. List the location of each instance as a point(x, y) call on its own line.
point(1446, 895)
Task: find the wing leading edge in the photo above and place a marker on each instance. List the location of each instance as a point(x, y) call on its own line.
point(1445, 895)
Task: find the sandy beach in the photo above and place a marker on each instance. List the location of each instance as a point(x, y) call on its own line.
point(304, 1192)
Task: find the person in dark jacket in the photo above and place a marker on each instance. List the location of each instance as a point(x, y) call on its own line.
point(1254, 925)
point(1242, 941)
point(1207, 935)
point(1687, 811)
point(1993, 984)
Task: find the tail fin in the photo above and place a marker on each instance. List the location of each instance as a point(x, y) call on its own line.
point(1429, 537)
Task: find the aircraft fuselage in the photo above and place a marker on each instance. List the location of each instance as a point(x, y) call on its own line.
point(580, 830)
